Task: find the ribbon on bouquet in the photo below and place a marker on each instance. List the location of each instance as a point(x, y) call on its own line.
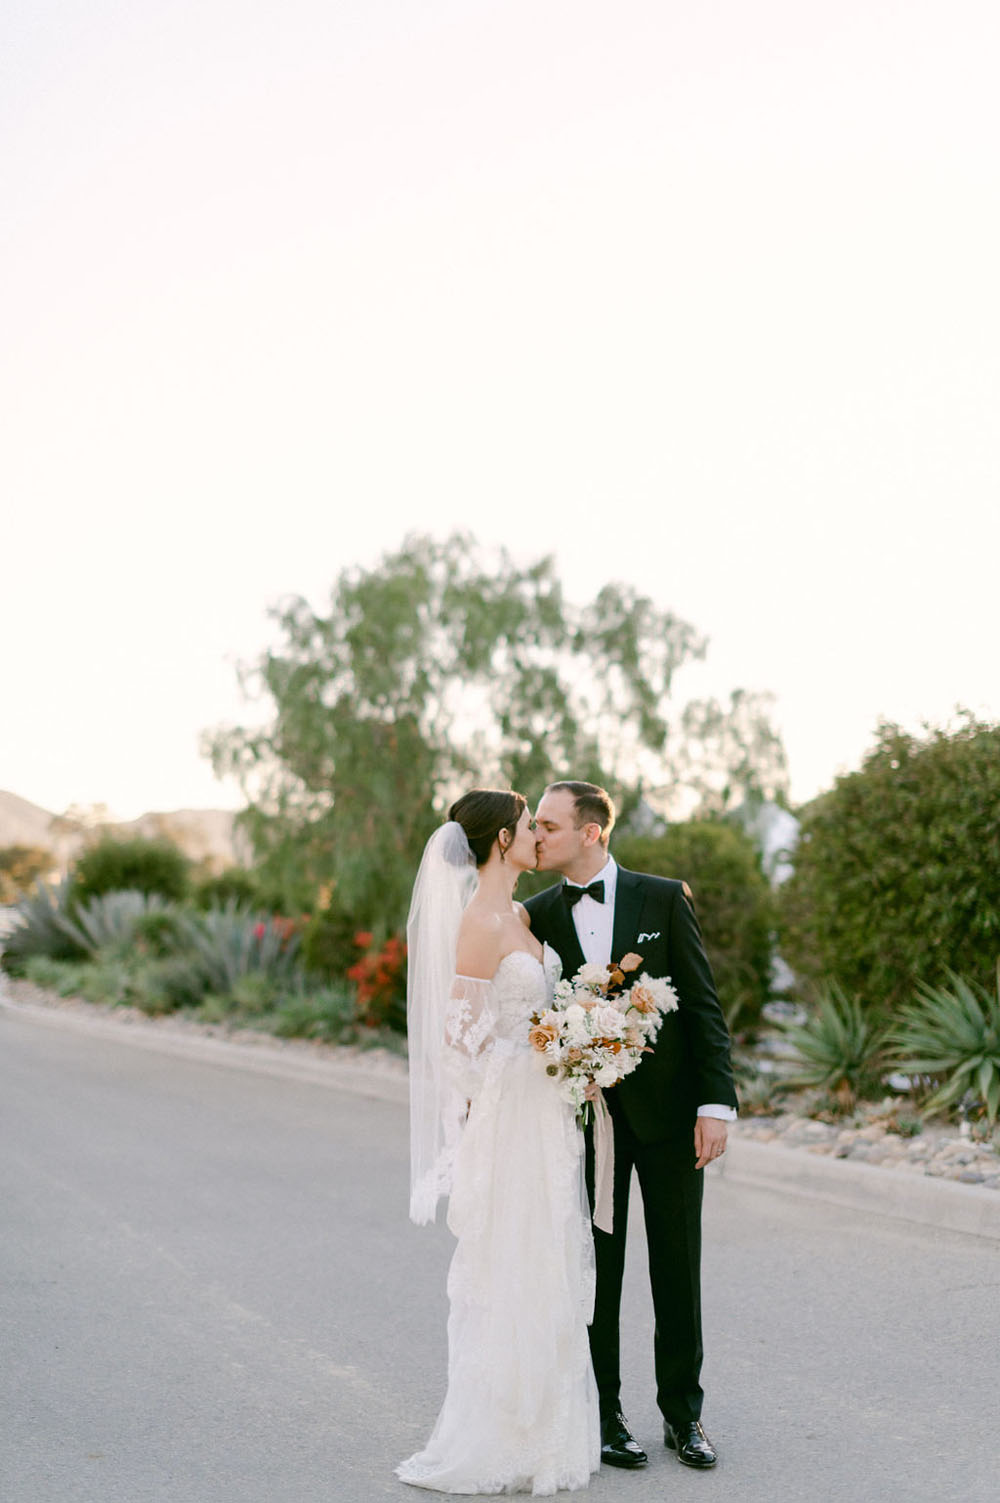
point(604, 1165)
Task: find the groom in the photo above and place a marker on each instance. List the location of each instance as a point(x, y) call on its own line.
point(669, 1115)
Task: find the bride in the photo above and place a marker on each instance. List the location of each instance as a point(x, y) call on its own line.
point(490, 1130)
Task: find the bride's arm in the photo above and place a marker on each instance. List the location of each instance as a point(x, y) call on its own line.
point(470, 1019)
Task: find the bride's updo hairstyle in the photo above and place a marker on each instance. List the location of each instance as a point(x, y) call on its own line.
point(483, 813)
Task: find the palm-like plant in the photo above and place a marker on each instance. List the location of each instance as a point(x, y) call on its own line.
point(41, 927)
point(228, 943)
point(112, 918)
point(838, 1046)
point(953, 1032)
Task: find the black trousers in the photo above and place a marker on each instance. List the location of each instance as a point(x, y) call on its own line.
point(671, 1201)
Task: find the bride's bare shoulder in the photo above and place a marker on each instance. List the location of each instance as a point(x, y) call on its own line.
point(479, 943)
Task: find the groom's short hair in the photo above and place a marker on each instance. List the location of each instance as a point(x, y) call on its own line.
point(593, 805)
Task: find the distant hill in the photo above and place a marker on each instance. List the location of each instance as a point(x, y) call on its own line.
point(206, 835)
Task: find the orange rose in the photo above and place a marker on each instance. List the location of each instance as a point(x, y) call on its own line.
point(630, 962)
point(541, 1036)
point(642, 999)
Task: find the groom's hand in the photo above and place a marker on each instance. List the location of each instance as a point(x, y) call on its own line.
point(709, 1140)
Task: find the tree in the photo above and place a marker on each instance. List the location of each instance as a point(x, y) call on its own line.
point(897, 872)
point(434, 669)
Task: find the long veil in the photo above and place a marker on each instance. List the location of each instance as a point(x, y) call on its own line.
point(445, 882)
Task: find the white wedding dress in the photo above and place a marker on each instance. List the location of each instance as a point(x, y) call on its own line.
point(520, 1413)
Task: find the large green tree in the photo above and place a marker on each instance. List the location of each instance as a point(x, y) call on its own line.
point(440, 667)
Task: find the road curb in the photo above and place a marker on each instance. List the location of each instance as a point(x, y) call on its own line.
point(897, 1193)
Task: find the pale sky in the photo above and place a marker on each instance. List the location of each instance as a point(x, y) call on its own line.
point(701, 296)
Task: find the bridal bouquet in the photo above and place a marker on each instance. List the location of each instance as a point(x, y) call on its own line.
point(599, 1026)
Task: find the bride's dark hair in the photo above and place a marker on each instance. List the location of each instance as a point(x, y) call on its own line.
point(483, 813)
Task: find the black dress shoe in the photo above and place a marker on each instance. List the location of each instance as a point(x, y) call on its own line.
point(618, 1447)
point(692, 1445)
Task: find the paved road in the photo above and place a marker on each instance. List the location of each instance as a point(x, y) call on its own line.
point(209, 1293)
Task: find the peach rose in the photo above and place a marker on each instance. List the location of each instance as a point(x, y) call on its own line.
point(541, 1036)
point(642, 999)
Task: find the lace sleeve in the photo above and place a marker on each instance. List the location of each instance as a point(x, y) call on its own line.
point(469, 1030)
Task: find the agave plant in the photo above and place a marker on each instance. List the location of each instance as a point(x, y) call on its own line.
point(838, 1046)
point(229, 943)
point(953, 1032)
point(41, 926)
point(112, 918)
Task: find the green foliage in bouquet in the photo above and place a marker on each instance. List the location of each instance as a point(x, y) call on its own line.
point(897, 871)
point(133, 864)
point(732, 898)
point(952, 1033)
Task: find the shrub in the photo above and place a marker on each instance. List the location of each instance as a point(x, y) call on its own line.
point(328, 946)
point(953, 1032)
point(329, 1013)
point(897, 872)
point(733, 901)
point(169, 982)
point(234, 885)
point(41, 927)
point(21, 866)
point(60, 976)
point(380, 977)
point(149, 866)
point(840, 1049)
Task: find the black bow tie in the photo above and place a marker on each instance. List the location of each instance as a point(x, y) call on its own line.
point(572, 895)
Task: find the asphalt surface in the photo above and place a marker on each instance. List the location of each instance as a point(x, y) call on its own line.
point(209, 1292)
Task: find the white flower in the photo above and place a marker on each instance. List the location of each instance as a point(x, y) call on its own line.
point(666, 997)
point(592, 975)
point(609, 1022)
point(607, 1075)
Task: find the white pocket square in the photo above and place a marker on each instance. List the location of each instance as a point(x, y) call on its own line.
point(647, 936)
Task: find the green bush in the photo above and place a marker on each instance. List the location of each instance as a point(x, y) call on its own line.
point(953, 1032)
point(149, 866)
point(897, 872)
point(41, 927)
point(840, 1049)
point(235, 885)
point(329, 1013)
point(732, 898)
point(329, 943)
point(21, 866)
point(63, 977)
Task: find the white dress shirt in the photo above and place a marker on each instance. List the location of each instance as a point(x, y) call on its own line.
point(594, 923)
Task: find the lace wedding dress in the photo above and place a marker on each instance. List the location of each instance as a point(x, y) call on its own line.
point(520, 1413)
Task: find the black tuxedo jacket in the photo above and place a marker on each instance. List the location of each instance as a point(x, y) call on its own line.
point(690, 1064)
